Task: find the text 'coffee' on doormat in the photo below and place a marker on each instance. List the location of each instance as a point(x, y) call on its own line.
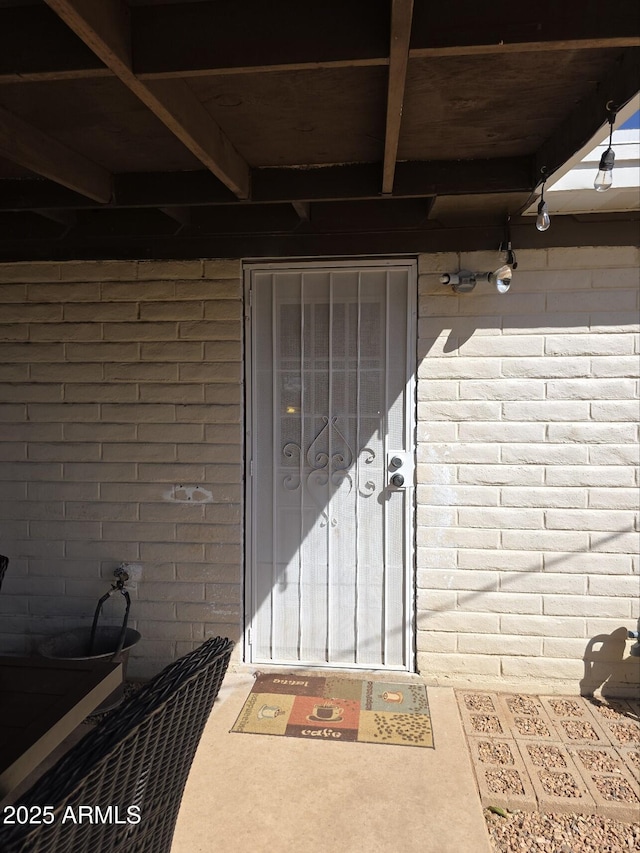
point(337, 708)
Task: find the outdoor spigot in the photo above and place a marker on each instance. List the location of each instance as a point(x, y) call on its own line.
point(122, 576)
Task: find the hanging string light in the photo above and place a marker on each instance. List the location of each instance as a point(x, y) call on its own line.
point(604, 178)
point(543, 220)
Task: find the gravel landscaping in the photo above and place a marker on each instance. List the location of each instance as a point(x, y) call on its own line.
point(545, 756)
point(522, 705)
point(486, 724)
point(629, 735)
point(532, 726)
point(556, 774)
point(533, 832)
point(578, 730)
point(475, 702)
point(566, 708)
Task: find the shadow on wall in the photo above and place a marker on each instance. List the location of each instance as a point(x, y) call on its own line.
point(606, 668)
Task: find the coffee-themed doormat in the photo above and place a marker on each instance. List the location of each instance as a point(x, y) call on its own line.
point(336, 708)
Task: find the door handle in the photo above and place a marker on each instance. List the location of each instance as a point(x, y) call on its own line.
point(399, 461)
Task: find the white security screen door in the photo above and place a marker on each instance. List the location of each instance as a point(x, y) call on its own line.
point(331, 465)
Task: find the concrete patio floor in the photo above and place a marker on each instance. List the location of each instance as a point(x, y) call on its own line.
point(280, 794)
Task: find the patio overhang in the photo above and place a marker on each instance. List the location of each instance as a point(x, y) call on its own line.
point(217, 129)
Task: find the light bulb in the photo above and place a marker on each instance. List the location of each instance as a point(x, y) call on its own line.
point(543, 220)
point(501, 278)
point(604, 178)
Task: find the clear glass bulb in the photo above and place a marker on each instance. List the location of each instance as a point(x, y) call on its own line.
point(501, 278)
point(603, 180)
point(543, 220)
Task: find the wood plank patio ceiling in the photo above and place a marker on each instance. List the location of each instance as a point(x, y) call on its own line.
point(165, 128)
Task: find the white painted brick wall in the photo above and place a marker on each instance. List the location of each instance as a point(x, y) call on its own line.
point(527, 468)
point(121, 440)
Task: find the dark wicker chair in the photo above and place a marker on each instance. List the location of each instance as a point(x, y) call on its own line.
point(4, 562)
point(137, 759)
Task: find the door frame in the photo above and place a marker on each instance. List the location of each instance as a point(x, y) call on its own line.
point(305, 265)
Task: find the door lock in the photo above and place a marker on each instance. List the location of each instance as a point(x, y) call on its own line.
point(399, 461)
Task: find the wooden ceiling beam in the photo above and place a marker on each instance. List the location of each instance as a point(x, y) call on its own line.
point(20, 194)
point(276, 185)
point(583, 122)
point(401, 14)
point(22, 143)
point(362, 181)
point(228, 37)
point(103, 25)
point(467, 28)
point(566, 231)
point(36, 45)
point(234, 37)
point(525, 47)
point(329, 217)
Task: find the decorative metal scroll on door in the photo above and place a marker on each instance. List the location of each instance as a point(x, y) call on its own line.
point(329, 468)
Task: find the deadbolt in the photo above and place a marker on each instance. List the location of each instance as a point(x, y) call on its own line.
point(395, 462)
point(397, 480)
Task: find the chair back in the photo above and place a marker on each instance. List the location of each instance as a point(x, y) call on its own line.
point(119, 789)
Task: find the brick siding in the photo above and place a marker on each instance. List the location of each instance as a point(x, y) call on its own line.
point(121, 441)
point(527, 535)
point(121, 430)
